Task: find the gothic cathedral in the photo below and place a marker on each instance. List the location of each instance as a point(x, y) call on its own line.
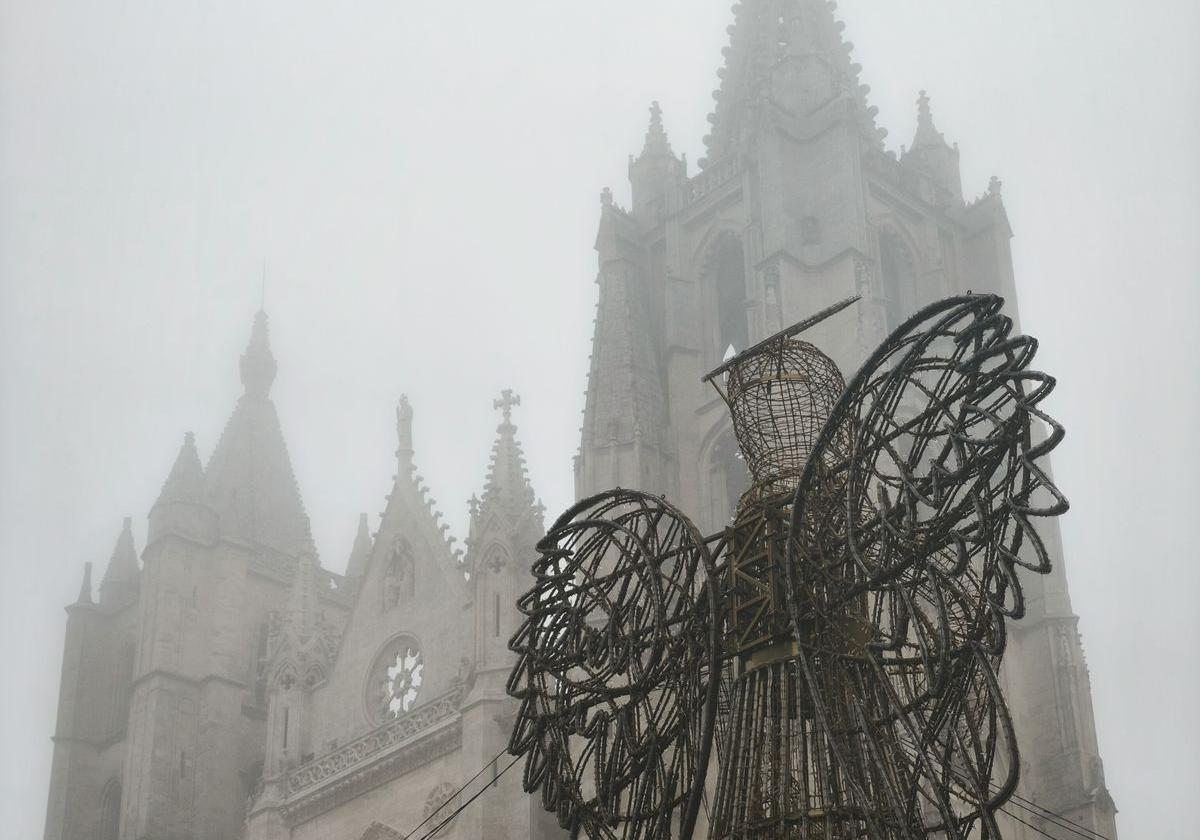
point(228, 686)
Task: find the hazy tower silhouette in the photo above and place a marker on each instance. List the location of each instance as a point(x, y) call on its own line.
point(798, 204)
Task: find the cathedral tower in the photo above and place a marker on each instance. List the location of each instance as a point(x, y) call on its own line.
point(163, 707)
point(797, 205)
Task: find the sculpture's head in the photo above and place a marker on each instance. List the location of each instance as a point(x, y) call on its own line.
point(780, 393)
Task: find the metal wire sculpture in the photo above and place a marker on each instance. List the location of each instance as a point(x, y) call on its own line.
point(838, 643)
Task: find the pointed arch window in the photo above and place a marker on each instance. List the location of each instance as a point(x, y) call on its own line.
point(121, 690)
point(728, 270)
point(898, 281)
point(110, 811)
point(728, 478)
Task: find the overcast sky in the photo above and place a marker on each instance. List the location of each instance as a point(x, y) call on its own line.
point(422, 180)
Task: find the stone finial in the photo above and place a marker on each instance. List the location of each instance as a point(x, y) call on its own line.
point(656, 137)
point(927, 134)
point(606, 198)
point(258, 366)
point(404, 435)
point(994, 186)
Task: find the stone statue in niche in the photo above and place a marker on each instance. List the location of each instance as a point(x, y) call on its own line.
point(399, 582)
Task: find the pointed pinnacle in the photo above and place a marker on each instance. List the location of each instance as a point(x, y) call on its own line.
point(257, 365)
point(85, 586)
point(123, 564)
point(927, 134)
point(185, 482)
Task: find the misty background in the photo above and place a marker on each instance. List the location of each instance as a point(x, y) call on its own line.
point(421, 181)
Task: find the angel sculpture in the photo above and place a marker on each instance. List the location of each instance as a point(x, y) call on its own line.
point(839, 642)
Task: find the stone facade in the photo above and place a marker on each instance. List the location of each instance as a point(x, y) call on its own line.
point(796, 206)
point(230, 687)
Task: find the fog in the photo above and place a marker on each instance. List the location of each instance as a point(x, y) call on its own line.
point(419, 183)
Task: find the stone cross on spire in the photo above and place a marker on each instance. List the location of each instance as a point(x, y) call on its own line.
point(505, 403)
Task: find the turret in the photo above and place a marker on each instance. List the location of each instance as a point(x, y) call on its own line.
point(506, 524)
point(66, 814)
point(656, 174)
point(931, 155)
point(121, 579)
point(301, 648)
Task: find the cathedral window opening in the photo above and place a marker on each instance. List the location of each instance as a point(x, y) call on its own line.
point(286, 721)
point(897, 280)
point(394, 682)
point(729, 477)
point(110, 811)
point(122, 690)
point(729, 280)
point(496, 615)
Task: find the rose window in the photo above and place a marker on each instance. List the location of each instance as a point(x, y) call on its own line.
point(402, 675)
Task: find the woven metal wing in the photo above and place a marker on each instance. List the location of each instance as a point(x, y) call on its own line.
point(910, 522)
point(616, 669)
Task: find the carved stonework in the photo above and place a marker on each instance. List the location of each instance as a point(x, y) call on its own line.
point(398, 584)
point(379, 831)
point(427, 732)
point(395, 679)
point(440, 806)
point(872, 320)
point(1066, 676)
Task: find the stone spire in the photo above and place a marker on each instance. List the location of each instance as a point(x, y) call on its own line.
point(789, 53)
point(927, 134)
point(258, 366)
point(85, 587)
point(182, 507)
point(356, 566)
point(933, 156)
point(507, 490)
point(656, 137)
point(656, 174)
point(120, 583)
point(249, 479)
point(185, 482)
point(626, 402)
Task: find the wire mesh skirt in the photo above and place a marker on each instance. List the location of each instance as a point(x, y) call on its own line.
point(779, 778)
